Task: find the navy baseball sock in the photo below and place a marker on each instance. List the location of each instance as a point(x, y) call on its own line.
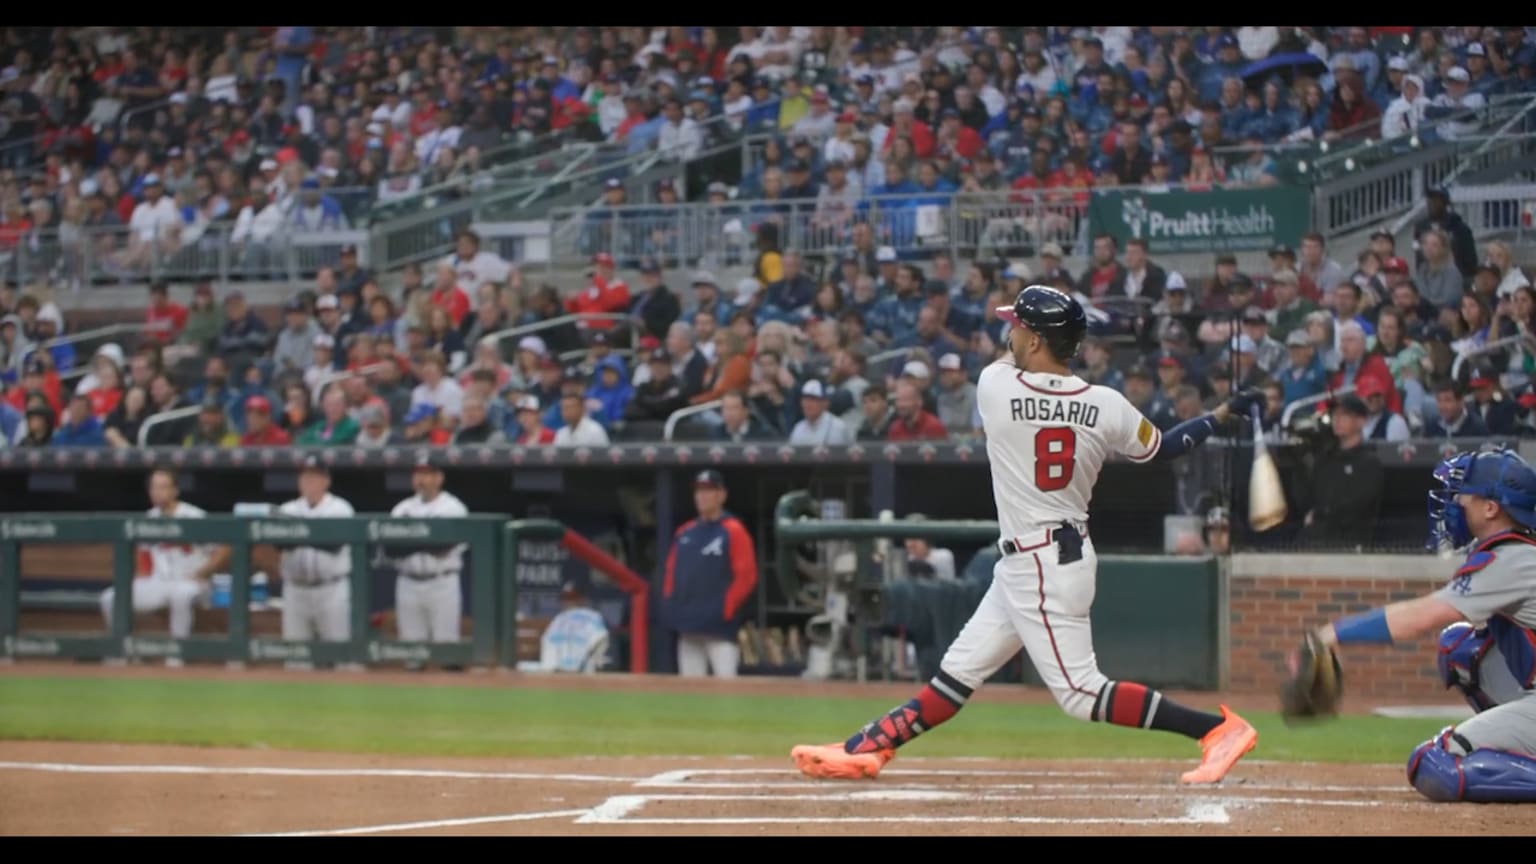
point(941, 699)
point(1126, 704)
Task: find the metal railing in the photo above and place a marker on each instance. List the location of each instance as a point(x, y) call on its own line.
point(1487, 348)
point(330, 378)
point(1495, 208)
point(84, 257)
point(501, 336)
point(1308, 401)
point(105, 332)
point(1368, 187)
point(679, 414)
point(998, 224)
point(165, 417)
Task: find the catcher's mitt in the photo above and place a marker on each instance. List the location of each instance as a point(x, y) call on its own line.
point(1315, 685)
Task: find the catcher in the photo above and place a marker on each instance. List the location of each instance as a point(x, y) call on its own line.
point(1486, 614)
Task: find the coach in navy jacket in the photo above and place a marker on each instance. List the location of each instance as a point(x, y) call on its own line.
point(711, 571)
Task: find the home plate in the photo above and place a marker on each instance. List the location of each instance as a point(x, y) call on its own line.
point(1432, 712)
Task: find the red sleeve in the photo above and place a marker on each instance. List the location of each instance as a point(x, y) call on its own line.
point(743, 567)
point(934, 428)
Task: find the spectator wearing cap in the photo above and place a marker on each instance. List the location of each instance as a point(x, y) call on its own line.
point(956, 395)
point(79, 427)
point(1497, 411)
point(606, 293)
point(212, 428)
point(260, 431)
point(836, 202)
point(1438, 214)
point(1175, 305)
point(818, 426)
point(1268, 353)
point(662, 392)
point(1288, 308)
point(711, 572)
point(578, 429)
point(1356, 365)
point(530, 430)
point(244, 336)
point(706, 300)
point(1459, 98)
point(680, 138)
point(1343, 499)
point(165, 319)
point(819, 121)
point(155, 224)
point(1452, 418)
point(296, 341)
point(654, 306)
point(315, 211)
point(1380, 423)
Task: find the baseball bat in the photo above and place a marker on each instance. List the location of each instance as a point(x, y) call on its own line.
point(1266, 497)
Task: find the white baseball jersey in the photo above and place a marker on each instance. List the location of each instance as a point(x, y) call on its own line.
point(445, 505)
point(1047, 439)
point(308, 565)
point(484, 267)
point(177, 561)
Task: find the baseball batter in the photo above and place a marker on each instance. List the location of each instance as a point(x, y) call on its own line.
point(428, 605)
point(1486, 615)
point(317, 591)
point(1048, 433)
point(179, 572)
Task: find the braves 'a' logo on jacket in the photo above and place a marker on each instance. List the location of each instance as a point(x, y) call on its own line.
point(711, 571)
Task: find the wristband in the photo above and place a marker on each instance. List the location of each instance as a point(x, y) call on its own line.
point(1367, 628)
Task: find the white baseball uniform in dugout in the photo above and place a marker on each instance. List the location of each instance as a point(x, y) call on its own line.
point(317, 591)
point(428, 603)
point(172, 581)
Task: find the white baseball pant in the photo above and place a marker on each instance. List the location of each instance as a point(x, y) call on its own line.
point(1040, 606)
point(428, 610)
point(152, 595)
point(321, 612)
point(698, 655)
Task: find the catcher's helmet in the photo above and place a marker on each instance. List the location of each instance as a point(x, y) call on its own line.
point(1053, 315)
point(1495, 473)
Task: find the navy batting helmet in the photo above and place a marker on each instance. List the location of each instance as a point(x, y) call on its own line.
point(1053, 315)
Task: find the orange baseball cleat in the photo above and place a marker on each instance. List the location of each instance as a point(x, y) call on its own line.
point(831, 762)
point(1222, 747)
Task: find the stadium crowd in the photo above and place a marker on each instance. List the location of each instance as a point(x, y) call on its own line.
point(171, 130)
point(875, 350)
point(258, 126)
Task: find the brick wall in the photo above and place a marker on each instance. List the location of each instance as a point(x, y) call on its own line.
point(1270, 612)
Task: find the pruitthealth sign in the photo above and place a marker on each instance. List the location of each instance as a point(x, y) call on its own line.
point(1219, 220)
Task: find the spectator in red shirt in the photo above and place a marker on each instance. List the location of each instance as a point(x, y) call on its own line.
point(166, 320)
point(260, 431)
point(911, 422)
point(961, 138)
point(531, 422)
point(448, 296)
point(606, 294)
point(905, 125)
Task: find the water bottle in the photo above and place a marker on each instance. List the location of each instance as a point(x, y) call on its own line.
point(222, 583)
point(258, 591)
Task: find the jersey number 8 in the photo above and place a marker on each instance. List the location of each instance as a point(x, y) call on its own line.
point(1055, 448)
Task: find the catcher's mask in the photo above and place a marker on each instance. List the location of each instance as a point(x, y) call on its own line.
point(1498, 474)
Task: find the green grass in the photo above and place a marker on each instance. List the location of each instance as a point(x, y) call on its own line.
point(525, 721)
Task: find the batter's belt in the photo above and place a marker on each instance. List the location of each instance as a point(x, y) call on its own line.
point(1068, 537)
